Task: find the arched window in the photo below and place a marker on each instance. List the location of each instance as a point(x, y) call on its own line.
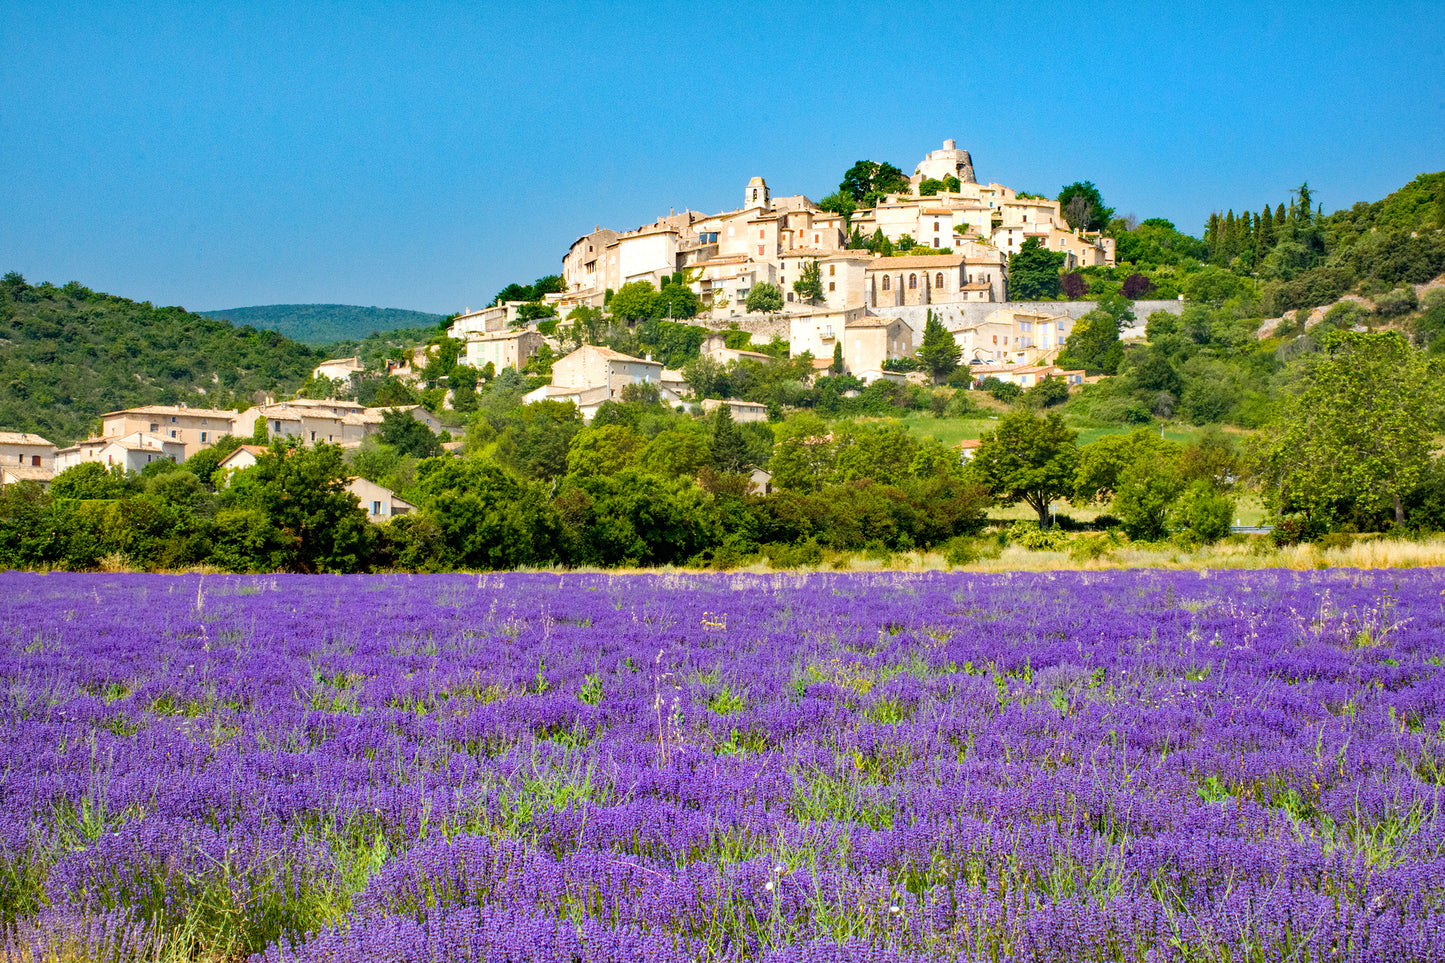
point(938, 280)
point(886, 283)
point(912, 282)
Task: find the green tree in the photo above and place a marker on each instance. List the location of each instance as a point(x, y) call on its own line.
point(866, 180)
point(939, 351)
point(1033, 272)
point(486, 517)
point(1094, 344)
point(1148, 488)
point(407, 435)
point(634, 301)
point(675, 300)
point(535, 444)
point(809, 285)
point(602, 450)
point(1083, 207)
point(302, 493)
point(1028, 459)
point(836, 368)
point(1357, 431)
point(729, 450)
point(764, 298)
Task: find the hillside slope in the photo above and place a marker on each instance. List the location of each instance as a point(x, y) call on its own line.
point(68, 355)
point(326, 323)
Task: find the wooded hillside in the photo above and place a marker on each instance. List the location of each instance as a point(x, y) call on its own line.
point(320, 324)
point(69, 354)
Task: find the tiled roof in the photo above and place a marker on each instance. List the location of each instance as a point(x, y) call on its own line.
point(22, 438)
point(173, 410)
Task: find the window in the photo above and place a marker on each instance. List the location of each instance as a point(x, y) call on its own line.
point(935, 225)
point(34, 460)
point(886, 283)
point(173, 433)
point(762, 233)
point(173, 419)
point(790, 295)
point(832, 269)
point(205, 437)
point(760, 250)
point(832, 286)
point(816, 240)
point(935, 242)
point(912, 282)
point(155, 427)
point(376, 508)
point(313, 436)
point(938, 280)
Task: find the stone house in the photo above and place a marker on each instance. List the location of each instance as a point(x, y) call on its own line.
point(379, 502)
point(869, 342)
point(502, 349)
point(741, 410)
point(131, 452)
point(194, 428)
point(339, 369)
point(593, 366)
point(20, 449)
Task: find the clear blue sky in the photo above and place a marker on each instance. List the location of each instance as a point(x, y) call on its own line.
point(423, 155)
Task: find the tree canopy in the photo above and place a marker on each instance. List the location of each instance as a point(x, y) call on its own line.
point(1357, 432)
point(1033, 272)
point(1029, 459)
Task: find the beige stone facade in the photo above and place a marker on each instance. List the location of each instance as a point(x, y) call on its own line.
point(504, 349)
point(131, 452)
point(379, 502)
point(20, 449)
point(592, 366)
point(870, 342)
point(193, 428)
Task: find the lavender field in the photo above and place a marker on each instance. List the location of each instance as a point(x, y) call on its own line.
point(1136, 766)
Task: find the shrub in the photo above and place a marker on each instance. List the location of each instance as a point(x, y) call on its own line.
point(1026, 534)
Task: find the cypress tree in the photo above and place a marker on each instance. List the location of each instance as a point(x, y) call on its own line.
point(729, 448)
point(1265, 231)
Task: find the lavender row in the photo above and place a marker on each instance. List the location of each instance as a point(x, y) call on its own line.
point(1110, 766)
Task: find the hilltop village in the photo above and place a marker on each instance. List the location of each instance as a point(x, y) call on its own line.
point(950, 240)
point(946, 244)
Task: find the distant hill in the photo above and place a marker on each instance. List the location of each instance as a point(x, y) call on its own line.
point(326, 323)
point(68, 355)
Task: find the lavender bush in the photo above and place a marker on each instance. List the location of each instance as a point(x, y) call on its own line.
point(1135, 766)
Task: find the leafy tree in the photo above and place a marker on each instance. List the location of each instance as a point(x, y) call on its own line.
point(535, 444)
point(705, 377)
point(91, 479)
point(407, 435)
point(1135, 286)
point(1147, 490)
point(675, 300)
point(1357, 431)
point(1033, 272)
point(1047, 393)
point(839, 203)
point(634, 301)
point(929, 187)
point(1093, 344)
point(764, 298)
point(1028, 459)
point(809, 285)
point(1204, 511)
point(602, 450)
point(486, 517)
point(939, 351)
point(1083, 207)
point(301, 492)
point(677, 451)
point(836, 367)
point(866, 181)
point(1073, 285)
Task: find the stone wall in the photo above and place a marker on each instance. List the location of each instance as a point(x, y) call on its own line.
point(957, 315)
point(761, 326)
